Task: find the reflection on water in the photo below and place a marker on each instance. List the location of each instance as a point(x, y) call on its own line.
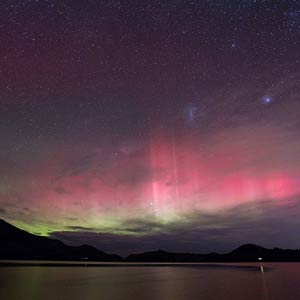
point(264, 285)
point(261, 267)
point(209, 282)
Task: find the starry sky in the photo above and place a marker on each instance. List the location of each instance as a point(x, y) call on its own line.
point(138, 125)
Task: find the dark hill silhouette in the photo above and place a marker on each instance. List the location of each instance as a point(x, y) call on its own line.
point(245, 253)
point(163, 256)
point(19, 244)
point(251, 252)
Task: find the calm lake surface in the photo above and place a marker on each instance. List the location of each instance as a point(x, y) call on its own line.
point(160, 281)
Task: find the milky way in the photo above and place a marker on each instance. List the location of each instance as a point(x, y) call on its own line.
point(170, 124)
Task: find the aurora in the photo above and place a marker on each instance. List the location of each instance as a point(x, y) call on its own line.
point(180, 134)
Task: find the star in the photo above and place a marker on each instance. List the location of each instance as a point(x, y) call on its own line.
point(191, 111)
point(267, 100)
point(182, 111)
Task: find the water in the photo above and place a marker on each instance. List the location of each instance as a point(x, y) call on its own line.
point(164, 282)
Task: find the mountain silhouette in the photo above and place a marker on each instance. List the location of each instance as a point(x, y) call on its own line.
point(244, 253)
point(163, 256)
point(19, 244)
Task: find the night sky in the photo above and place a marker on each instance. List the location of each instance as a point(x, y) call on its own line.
point(139, 125)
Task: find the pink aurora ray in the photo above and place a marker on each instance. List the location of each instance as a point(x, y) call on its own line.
point(171, 175)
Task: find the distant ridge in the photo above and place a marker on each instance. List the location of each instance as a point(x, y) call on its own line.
point(163, 256)
point(245, 253)
point(17, 244)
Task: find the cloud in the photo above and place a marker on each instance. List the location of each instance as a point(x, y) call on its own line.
point(60, 190)
point(3, 211)
point(79, 166)
point(80, 228)
point(253, 222)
